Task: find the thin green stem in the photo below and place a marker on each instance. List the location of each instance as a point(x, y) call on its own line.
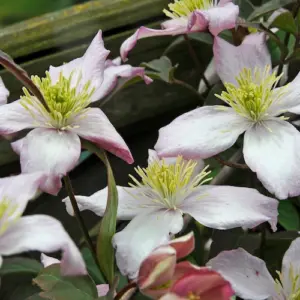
point(196, 61)
point(189, 87)
point(88, 241)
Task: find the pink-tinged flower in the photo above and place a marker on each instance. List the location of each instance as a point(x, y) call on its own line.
point(255, 105)
point(189, 16)
point(200, 283)
point(38, 232)
point(48, 261)
point(4, 93)
point(53, 146)
point(167, 190)
point(251, 279)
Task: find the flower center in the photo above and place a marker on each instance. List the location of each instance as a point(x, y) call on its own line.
point(169, 183)
point(182, 8)
point(7, 214)
point(294, 285)
point(63, 99)
point(253, 94)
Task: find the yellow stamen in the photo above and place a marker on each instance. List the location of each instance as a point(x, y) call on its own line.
point(253, 94)
point(63, 99)
point(182, 8)
point(169, 183)
point(7, 214)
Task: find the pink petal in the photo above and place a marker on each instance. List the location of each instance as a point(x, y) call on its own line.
point(219, 18)
point(231, 60)
point(51, 151)
point(90, 66)
point(4, 93)
point(46, 234)
point(201, 133)
point(171, 296)
point(183, 245)
point(156, 271)
point(174, 27)
point(102, 289)
point(271, 150)
point(48, 260)
point(131, 203)
point(225, 207)
point(111, 75)
point(205, 283)
point(14, 117)
point(142, 235)
point(245, 272)
point(96, 127)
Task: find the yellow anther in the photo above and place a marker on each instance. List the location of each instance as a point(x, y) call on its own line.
point(169, 182)
point(253, 94)
point(7, 213)
point(182, 8)
point(63, 99)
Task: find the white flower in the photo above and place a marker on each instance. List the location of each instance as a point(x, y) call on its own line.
point(168, 189)
point(4, 93)
point(271, 144)
point(251, 279)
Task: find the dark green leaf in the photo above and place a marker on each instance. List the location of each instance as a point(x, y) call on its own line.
point(92, 232)
point(294, 56)
point(18, 265)
point(58, 287)
point(288, 215)
point(246, 8)
point(35, 297)
point(211, 99)
point(285, 22)
point(7, 62)
point(268, 7)
point(163, 68)
point(91, 265)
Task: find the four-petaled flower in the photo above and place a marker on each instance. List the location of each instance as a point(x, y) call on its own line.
point(53, 146)
point(271, 144)
point(38, 232)
point(168, 189)
point(189, 16)
point(251, 279)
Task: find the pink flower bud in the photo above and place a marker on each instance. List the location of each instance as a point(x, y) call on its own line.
point(183, 245)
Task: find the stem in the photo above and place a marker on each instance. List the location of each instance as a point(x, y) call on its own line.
point(196, 61)
point(230, 163)
point(125, 289)
point(283, 54)
point(89, 243)
point(262, 241)
point(189, 87)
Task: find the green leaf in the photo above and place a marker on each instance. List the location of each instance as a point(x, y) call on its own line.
point(294, 56)
point(269, 7)
point(35, 297)
point(18, 265)
point(91, 265)
point(285, 22)
point(211, 99)
point(288, 215)
point(58, 287)
point(163, 68)
point(246, 8)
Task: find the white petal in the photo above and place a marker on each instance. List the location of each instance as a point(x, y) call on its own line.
point(131, 203)
point(230, 60)
point(14, 117)
point(291, 262)
point(290, 100)
point(46, 234)
point(201, 133)
point(225, 207)
point(247, 274)
point(50, 151)
point(96, 127)
point(211, 75)
point(143, 234)
point(4, 93)
point(48, 260)
point(271, 149)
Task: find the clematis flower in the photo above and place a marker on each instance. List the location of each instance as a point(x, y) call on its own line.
point(254, 107)
point(251, 279)
point(53, 146)
point(4, 93)
point(48, 261)
point(165, 192)
point(38, 232)
point(189, 16)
